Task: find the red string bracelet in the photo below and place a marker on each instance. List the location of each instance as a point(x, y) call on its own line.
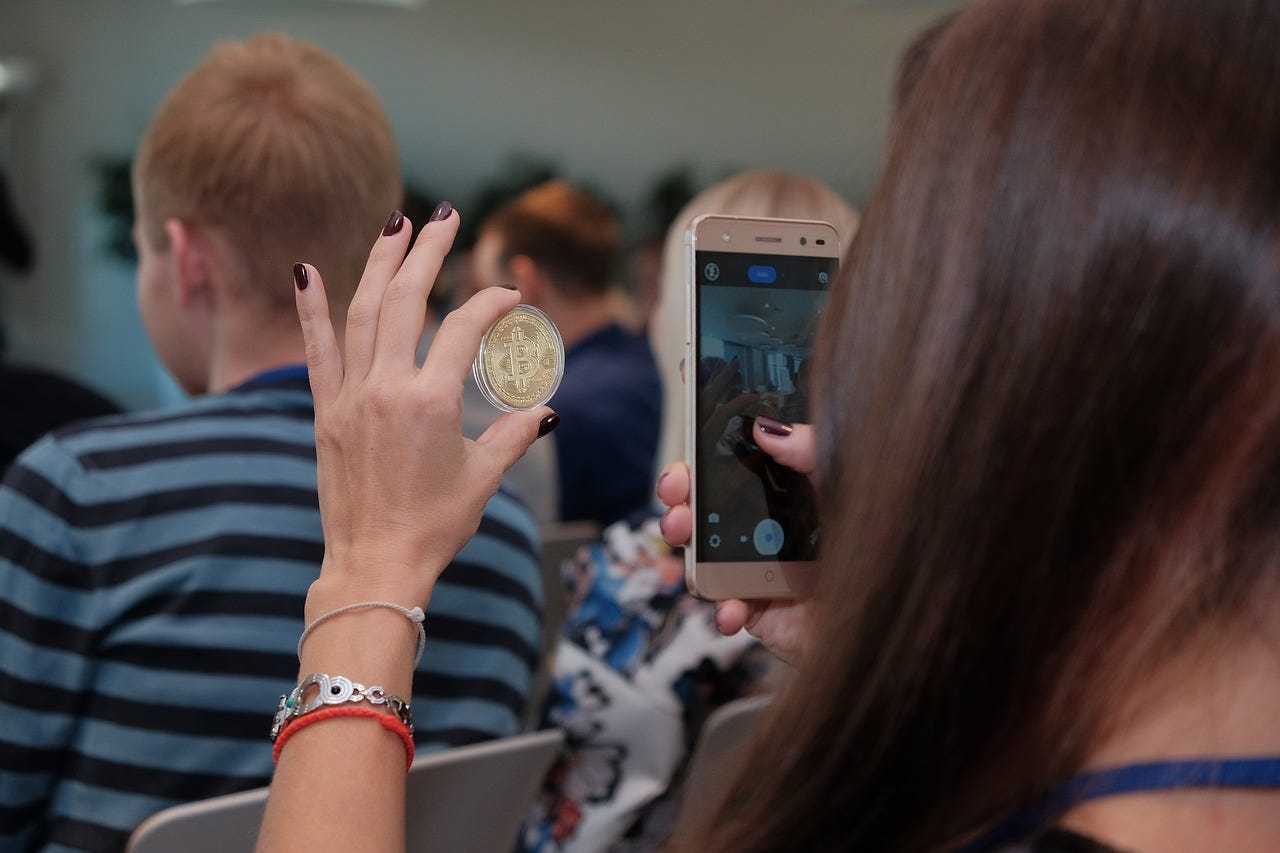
point(388, 721)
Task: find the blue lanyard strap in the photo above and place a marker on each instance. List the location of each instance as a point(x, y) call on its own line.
point(277, 376)
point(1130, 779)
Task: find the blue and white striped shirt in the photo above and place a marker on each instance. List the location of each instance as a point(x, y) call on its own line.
point(152, 576)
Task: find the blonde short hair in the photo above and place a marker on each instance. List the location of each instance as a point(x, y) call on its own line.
point(283, 149)
point(761, 193)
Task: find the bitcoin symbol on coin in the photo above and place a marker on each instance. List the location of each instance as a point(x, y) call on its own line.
point(522, 358)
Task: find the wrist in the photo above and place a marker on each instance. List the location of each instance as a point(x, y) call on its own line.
point(371, 646)
point(347, 580)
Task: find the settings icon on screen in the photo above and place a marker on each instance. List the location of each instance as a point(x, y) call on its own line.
point(714, 540)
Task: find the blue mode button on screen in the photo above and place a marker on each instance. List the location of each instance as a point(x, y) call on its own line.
point(762, 274)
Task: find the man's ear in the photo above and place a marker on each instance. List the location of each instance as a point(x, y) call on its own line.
point(526, 276)
point(190, 266)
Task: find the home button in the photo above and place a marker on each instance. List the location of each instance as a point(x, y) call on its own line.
point(769, 575)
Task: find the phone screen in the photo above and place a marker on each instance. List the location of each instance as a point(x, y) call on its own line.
point(755, 323)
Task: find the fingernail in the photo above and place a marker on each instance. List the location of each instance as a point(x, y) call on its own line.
point(442, 211)
point(509, 286)
point(300, 276)
point(394, 224)
point(658, 488)
point(769, 426)
point(547, 424)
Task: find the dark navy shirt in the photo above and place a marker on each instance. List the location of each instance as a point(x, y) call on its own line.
point(610, 405)
point(33, 402)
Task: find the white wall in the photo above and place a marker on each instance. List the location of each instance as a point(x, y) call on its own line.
point(614, 91)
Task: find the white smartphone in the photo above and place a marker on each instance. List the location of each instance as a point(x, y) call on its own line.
point(757, 288)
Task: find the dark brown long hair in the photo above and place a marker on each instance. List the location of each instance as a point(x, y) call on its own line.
point(1049, 418)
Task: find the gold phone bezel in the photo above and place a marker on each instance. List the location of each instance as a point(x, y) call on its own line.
point(763, 578)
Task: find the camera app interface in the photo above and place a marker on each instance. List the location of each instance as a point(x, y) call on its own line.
point(757, 315)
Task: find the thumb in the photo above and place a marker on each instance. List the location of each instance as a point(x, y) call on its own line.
point(732, 616)
point(507, 438)
point(789, 444)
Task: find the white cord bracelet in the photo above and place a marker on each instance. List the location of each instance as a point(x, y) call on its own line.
point(414, 615)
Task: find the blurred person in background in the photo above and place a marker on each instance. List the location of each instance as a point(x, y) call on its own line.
point(153, 567)
point(32, 401)
point(559, 246)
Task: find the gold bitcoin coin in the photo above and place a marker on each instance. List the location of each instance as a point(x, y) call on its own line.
point(521, 360)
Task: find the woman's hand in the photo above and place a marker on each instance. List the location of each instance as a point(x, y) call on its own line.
point(401, 490)
point(783, 625)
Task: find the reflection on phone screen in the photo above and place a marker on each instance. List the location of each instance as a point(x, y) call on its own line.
point(757, 315)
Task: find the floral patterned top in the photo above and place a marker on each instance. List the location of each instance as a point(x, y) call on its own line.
point(639, 665)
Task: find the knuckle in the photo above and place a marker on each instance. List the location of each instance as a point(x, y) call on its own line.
point(308, 312)
point(488, 475)
point(362, 313)
point(440, 401)
point(455, 321)
point(326, 435)
point(398, 290)
point(316, 352)
point(381, 399)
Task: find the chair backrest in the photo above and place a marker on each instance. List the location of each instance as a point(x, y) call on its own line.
point(471, 798)
point(720, 751)
point(560, 541)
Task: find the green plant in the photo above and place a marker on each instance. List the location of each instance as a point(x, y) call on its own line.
point(115, 202)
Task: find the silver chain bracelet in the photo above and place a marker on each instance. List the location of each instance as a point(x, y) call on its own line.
point(336, 690)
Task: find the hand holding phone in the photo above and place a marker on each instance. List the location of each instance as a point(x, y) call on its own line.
point(783, 625)
point(757, 288)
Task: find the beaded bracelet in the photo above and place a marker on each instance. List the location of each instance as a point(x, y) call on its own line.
point(388, 722)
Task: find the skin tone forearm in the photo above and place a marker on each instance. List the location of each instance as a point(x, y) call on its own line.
point(372, 646)
point(783, 625)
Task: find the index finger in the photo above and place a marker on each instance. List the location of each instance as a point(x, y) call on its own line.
point(790, 444)
point(324, 359)
point(732, 615)
point(455, 346)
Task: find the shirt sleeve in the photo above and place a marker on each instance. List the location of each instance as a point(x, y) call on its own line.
point(47, 632)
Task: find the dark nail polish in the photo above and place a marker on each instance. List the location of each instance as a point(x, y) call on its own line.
point(769, 426)
point(442, 211)
point(300, 276)
point(548, 423)
point(394, 224)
